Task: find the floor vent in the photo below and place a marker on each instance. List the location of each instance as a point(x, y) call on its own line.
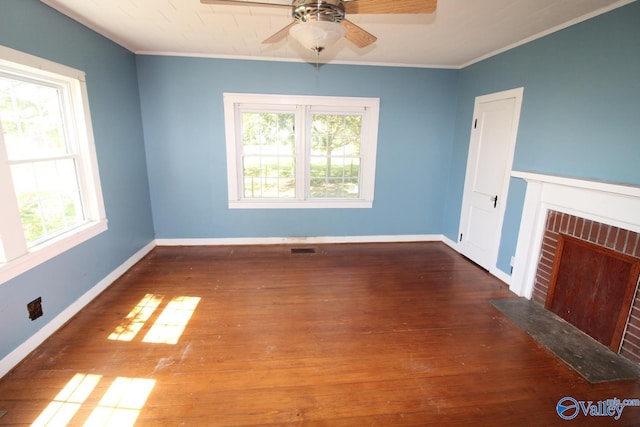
point(303, 251)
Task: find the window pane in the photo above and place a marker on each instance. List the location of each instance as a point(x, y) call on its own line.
point(338, 178)
point(268, 155)
point(268, 177)
point(32, 121)
point(48, 198)
point(335, 156)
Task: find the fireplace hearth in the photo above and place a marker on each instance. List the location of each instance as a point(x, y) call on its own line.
point(588, 275)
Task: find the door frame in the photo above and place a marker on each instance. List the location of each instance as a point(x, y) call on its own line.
point(517, 94)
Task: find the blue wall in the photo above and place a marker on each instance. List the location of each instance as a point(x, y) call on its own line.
point(31, 27)
point(580, 113)
point(182, 104)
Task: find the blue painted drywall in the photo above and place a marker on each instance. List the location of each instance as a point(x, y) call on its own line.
point(182, 105)
point(32, 27)
point(580, 114)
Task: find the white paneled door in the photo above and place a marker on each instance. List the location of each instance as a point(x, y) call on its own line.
point(491, 147)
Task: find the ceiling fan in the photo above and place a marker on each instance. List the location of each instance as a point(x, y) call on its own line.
point(319, 23)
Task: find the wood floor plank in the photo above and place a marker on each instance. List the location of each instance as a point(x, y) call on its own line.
point(353, 335)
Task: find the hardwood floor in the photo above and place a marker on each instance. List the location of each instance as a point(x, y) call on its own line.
point(353, 335)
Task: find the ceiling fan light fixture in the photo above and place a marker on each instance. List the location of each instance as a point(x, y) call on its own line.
point(317, 35)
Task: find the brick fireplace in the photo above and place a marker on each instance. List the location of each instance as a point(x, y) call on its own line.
point(601, 217)
point(602, 237)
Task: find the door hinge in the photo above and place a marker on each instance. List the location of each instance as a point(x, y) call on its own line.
point(460, 237)
point(475, 123)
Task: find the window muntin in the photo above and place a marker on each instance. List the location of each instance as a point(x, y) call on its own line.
point(50, 195)
point(300, 151)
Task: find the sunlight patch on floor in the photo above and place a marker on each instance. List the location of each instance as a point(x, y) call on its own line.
point(136, 319)
point(170, 325)
point(121, 404)
point(65, 405)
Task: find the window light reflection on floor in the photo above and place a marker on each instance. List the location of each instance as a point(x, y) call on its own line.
point(65, 405)
point(121, 404)
point(119, 407)
point(169, 326)
point(136, 319)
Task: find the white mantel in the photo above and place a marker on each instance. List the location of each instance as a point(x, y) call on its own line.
point(614, 204)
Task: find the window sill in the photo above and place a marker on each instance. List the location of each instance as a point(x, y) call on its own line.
point(298, 204)
point(51, 249)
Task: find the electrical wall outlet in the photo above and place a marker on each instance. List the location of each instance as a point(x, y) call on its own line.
point(35, 308)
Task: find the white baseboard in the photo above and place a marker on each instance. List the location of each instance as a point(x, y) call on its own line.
point(501, 275)
point(447, 241)
point(496, 272)
point(16, 356)
point(300, 240)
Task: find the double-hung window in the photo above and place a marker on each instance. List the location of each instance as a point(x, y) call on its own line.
point(50, 197)
point(287, 151)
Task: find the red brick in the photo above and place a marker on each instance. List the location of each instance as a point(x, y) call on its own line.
point(549, 242)
point(612, 238)
point(571, 228)
point(564, 223)
point(542, 278)
point(595, 231)
point(550, 237)
point(633, 328)
point(634, 248)
point(635, 316)
point(603, 233)
point(579, 227)
point(632, 339)
point(545, 269)
point(586, 231)
point(547, 253)
point(622, 240)
point(539, 296)
point(629, 355)
point(551, 217)
point(553, 235)
point(558, 221)
point(547, 263)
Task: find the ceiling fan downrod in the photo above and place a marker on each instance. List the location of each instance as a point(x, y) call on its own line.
point(318, 10)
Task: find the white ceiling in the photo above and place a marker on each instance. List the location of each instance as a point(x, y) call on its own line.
point(459, 33)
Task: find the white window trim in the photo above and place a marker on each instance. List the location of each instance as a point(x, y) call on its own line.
point(317, 103)
point(20, 258)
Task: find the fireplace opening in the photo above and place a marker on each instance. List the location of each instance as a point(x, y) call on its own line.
point(593, 287)
point(587, 273)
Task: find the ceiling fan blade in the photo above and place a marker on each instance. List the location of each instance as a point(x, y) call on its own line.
point(390, 6)
point(357, 35)
point(280, 34)
point(245, 3)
